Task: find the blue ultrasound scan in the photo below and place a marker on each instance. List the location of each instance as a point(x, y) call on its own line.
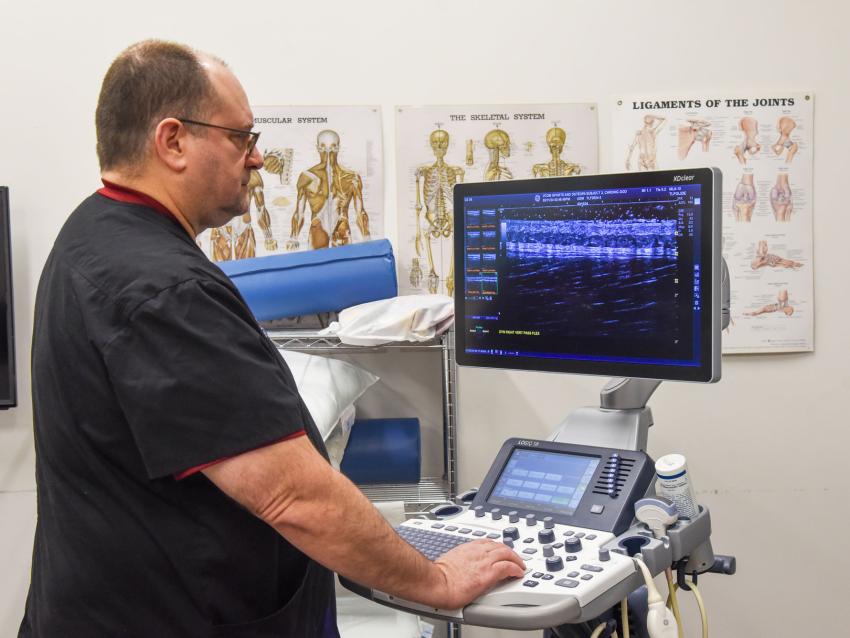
point(597, 275)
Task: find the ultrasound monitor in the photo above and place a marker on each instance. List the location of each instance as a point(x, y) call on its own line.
point(615, 275)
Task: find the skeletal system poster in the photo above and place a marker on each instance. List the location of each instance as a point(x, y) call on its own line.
point(321, 183)
point(763, 144)
point(440, 146)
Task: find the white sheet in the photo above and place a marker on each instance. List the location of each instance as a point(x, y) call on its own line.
point(407, 318)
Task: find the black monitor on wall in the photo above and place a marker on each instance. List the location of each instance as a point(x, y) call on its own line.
point(8, 378)
point(616, 275)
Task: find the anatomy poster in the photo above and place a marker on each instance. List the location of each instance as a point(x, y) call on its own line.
point(321, 183)
point(763, 144)
point(440, 146)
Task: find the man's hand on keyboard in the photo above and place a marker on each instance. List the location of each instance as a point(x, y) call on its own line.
point(474, 568)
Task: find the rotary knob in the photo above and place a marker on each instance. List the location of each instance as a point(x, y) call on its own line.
point(511, 533)
point(508, 542)
point(548, 550)
point(546, 536)
point(513, 516)
point(554, 564)
point(604, 555)
point(479, 511)
point(572, 545)
point(548, 522)
point(530, 520)
point(496, 513)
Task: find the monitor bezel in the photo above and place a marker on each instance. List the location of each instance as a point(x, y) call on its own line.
point(9, 400)
point(708, 371)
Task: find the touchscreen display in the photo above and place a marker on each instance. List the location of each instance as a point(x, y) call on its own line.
point(544, 481)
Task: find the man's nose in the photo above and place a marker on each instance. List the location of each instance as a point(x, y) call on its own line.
point(254, 159)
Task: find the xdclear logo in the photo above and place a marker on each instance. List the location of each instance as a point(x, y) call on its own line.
point(525, 443)
point(683, 178)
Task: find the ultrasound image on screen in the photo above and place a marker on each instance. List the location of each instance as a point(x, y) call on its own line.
point(588, 275)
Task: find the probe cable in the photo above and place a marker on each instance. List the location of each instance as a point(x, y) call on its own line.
point(673, 601)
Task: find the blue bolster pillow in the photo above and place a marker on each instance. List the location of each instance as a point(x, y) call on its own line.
point(313, 281)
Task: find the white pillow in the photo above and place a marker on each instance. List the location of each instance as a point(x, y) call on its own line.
point(328, 386)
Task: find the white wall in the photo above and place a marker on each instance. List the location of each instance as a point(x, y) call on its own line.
point(766, 446)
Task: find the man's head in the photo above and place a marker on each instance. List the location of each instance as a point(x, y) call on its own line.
point(175, 123)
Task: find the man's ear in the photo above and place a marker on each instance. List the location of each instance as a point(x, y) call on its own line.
point(170, 143)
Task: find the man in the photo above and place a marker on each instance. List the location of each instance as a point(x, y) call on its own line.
point(183, 489)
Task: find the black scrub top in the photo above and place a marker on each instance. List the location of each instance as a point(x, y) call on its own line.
point(146, 362)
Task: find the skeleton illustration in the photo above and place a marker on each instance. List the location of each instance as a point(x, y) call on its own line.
point(750, 145)
point(694, 131)
point(645, 141)
point(780, 199)
point(437, 181)
point(236, 240)
point(470, 155)
point(330, 189)
point(785, 126)
point(781, 305)
point(764, 258)
point(744, 199)
point(498, 143)
point(555, 167)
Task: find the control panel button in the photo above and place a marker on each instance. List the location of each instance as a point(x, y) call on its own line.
point(528, 540)
point(548, 551)
point(591, 568)
point(570, 557)
point(513, 516)
point(511, 532)
point(604, 555)
point(569, 532)
point(496, 513)
point(587, 577)
point(451, 528)
point(478, 533)
point(531, 583)
point(558, 545)
point(597, 509)
point(464, 530)
point(580, 535)
point(493, 535)
point(547, 577)
point(591, 537)
point(554, 564)
point(531, 520)
point(529, 550)
point(537, 574)
point(573, 574)
point(546, 536)
point(566, 582)
point(437, 526)
point(508, 542)
point(548, 522)
point(479, 511)
point(572, 545)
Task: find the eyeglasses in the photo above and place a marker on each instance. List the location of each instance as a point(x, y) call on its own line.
point(251, 137)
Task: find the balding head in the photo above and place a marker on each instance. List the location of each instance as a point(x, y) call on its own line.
point(147, 82)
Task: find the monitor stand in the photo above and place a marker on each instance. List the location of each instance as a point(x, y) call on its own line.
point(621, 421)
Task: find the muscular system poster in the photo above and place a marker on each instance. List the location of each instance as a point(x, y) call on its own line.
point(321, 183)
point(439, 146)
point(763, 144)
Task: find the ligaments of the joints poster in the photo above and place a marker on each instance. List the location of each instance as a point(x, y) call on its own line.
point(763, 144)
point(321, 183)
point(440, 146)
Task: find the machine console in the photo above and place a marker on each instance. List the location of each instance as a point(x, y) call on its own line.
point(557, 505)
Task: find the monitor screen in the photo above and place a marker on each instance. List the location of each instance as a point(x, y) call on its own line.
point(615, 275)
point(545, 481)
point(8, 383)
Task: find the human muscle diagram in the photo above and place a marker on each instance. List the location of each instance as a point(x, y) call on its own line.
point(763, 144)
point(321, 183)
point(440, 146)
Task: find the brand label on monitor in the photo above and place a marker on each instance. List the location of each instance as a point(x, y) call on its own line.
point(683, 178)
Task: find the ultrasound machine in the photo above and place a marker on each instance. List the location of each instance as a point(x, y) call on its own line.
point(616, 275)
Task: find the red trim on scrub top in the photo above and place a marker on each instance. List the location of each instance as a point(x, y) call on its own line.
point(130, 196)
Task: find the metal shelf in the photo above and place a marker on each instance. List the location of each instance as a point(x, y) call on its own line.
point(430, 490)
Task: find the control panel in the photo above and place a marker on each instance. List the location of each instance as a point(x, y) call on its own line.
point(557, 505)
